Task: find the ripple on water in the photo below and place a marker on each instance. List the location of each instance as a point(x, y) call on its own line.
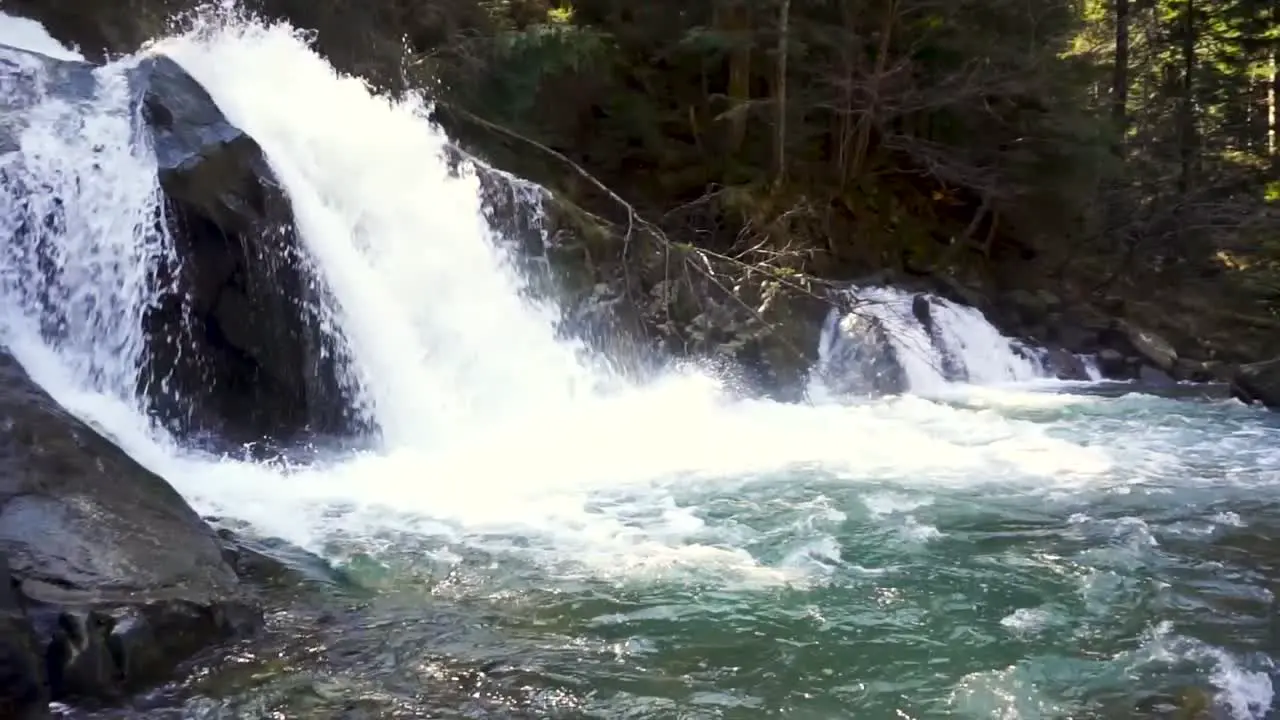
point(969, 568)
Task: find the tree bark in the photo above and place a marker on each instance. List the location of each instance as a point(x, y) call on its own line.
point(1120, 76)
point(780, 125)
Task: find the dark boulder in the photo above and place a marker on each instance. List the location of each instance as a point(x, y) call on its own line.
point(1150, 346)
point(235, 348)
point(116, 580)
point(922, 309)
point(23, 691)
point(1065, 365)
point(1258, 382)
point(239, 349)
point(1206, 371)
point(1114, 365)
point(1154, 377)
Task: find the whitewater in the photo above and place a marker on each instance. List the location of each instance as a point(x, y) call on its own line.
point(517, 458)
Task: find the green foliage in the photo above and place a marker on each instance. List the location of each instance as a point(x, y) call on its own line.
point(931, 134)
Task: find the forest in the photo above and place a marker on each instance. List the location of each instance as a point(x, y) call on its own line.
point(1119, 152)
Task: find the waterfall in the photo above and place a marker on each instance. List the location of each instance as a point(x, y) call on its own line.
point(82, 262)
point(495, 426)
point(433, 309)
point(895, 341)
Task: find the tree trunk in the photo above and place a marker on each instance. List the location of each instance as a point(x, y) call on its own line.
point(1187, 119)
point(1120, 76)
point(732, 18)
point(1275, 89)
point(780, 95)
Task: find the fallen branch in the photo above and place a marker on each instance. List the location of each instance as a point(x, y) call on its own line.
point(636, 220)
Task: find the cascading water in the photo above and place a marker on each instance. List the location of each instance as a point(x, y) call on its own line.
point(932, 342)
point(433, 310)
point(655, 550)
point(81, 266)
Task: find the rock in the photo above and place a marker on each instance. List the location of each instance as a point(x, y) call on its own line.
point(962, 293)
point(117, 578)
point(235, 348)
point(922, 309)
point(1113, 364)
point(240, 345)
point(1154, 348)
point(1071, 336)
point(1201, 371)
point(1050, 302)
point(1258, 382)
point(859, 358)
point(1029, 308)
point(1148, 375)
point(1066, 365)
point(1219, 371)
point(23, 692)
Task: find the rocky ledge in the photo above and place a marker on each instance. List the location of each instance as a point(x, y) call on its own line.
point(235, 349)
point(108, 579)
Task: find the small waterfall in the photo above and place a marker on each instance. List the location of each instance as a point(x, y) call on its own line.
point(1091, 369)
point(894, 341)
point(80, 206)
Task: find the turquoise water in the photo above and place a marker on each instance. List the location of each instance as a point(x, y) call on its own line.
point(1140, 589)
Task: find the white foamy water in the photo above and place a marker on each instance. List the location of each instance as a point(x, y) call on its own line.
point(30, 35)
point(959, 345)
point(84, 198)
point(430, 306)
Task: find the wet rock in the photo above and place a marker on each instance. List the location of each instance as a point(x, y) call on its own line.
point(116, 580)
point(1078, 331)
point(1148, 375)
point(1028, 307)
point(922, 310)
point(1152, 347)
point(1065, 365)
point(1201, 371)
point(1050, 302)
point(1258, 382)
point(859, 357)
point(1113, 364)
point(23, 693)
point(238, 349)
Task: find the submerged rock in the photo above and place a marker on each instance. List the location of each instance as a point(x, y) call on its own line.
point(115, 579)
